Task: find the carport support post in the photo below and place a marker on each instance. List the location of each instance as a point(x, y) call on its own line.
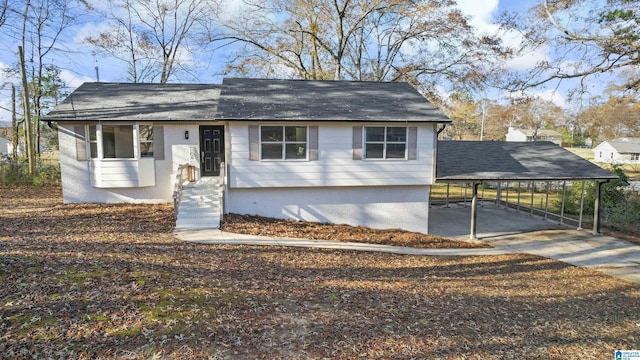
point(474, 213)
point(533, 190)
point(596, 208)
point(446, 204)
point(506, 202)
point(581, 206)
point(546, 202)
point(564, 191)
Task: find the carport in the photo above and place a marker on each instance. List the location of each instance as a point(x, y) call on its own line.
point(475, 162)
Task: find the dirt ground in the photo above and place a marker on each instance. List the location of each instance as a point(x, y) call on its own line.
point(112, 282)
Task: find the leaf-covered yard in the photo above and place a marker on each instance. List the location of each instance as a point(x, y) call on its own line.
point(111, 281)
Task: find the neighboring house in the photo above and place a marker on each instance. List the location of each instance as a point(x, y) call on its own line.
point(360, 153)
point(624, 150)
point(5, 146)
point(527, 135)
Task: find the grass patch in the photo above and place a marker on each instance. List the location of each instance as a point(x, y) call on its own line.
point(77, 276)
point(27, 324)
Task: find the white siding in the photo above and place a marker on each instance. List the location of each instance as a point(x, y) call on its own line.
point(516, 135)
point(402, 207)
point(335, 165)
point(605, 153)
point(77, 184)
point(121, 173)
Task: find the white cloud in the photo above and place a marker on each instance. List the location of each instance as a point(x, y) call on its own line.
point(480, 13)
point(90, 29)
point(545, 94)
point(72, 80)
point(528, 60)
point(230, 9)
point(553, 96)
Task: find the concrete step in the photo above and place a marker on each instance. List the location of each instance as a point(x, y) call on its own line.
point(198, 199)
point(199, 206)
point(198, 225)
point(202, 221)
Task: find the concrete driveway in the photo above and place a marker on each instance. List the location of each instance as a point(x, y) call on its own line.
point(519, 232)
point(454, 221)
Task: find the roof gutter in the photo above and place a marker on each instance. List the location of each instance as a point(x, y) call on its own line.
point(52, 125)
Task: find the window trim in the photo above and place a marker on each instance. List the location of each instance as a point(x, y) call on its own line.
point(284, 142)
point(146, 141)
point(384, 143)
point(99, 141)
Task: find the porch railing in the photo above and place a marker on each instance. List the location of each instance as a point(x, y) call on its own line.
point(181, 175)
point(222, 189)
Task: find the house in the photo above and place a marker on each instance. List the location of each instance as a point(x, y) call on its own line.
point(360, 153)
point(5, 146)
point(625, 150)
point(527, 135)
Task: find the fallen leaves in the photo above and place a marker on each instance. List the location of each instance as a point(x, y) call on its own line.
point(257, 225)
point(102, 281)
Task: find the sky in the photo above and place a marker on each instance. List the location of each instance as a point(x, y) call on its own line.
point(79, 60)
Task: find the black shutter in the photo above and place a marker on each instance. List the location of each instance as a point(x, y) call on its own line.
point(81, 142)
point(357, 143)
point(254, 142)
point(158, 142)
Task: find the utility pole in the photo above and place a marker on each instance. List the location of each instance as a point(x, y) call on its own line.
point(14, 124)
point(27, 113)
point(484, 118)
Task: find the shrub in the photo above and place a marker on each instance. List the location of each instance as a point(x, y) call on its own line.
point(620, 207)
point(16, 172)
point(624, 215)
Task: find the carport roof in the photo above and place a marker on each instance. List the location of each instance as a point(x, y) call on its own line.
point(514, 161)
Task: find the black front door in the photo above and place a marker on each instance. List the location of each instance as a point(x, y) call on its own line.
point(211, 150)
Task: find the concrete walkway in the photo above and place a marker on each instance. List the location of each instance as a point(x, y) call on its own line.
point(508, 231)
point(211, 236)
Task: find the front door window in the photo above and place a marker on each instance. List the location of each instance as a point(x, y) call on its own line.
point(211, 150)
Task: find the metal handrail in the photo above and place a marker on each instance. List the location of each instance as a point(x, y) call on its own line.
point(222, 190)
point(177, 188)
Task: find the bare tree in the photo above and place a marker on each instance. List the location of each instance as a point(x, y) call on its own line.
point(536, 113)
point(423, 42)
point(154, 36)
point(4, 11)
point(585, 38)
point(127, 42)
point(44, 22)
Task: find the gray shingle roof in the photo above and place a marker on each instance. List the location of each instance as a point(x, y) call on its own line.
point(497, 160)
point(541, 132)
point(625, 145)
point(138, 102)
point(267, 99)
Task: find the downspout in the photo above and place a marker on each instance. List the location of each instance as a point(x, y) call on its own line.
point(444, 126)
